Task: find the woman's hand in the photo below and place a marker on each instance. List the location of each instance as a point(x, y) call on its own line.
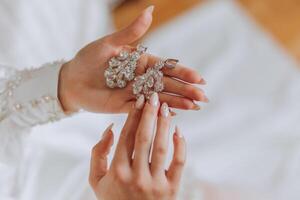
point(130, 175)
point(82, 83)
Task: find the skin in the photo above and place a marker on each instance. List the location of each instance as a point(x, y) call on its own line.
point(82, 83)
point(134, 177)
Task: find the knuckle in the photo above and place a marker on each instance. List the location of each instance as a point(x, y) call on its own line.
point(179, 162)
point(140, 186)
point(158, 191)
point(172, 191)
point(119, 175)
point(161, 150)
point(143, 138)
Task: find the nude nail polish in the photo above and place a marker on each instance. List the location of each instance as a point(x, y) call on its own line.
point(202, 82)
point(150, 9)
point(205, 99)
point(140, 102)
point(172, 113)
point(178, 132)
point(164, 110)
point(196, 107)
point(154, 99)
point(107, 130)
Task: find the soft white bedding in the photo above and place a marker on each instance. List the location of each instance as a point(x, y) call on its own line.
point(243, 145)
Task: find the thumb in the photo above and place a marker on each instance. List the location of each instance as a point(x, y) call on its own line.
point(135, 30)
point(100, 152)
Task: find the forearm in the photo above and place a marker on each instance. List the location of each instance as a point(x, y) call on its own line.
point(28, 98)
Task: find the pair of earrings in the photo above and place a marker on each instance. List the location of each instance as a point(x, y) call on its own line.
point(122, 70)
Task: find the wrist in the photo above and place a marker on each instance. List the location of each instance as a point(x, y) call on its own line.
point(65, 90)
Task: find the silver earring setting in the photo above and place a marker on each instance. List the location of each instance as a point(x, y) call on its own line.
point(122, 68)
point(152, 80)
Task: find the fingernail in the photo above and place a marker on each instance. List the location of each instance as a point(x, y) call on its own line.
point(150, 9)
point(107, 130)
point(140, 102)
point(205, 99)
point(154, 99)
point(172, 113)
point(164, 110)
point(196, 107)
point(178, 132)
point(202, 81)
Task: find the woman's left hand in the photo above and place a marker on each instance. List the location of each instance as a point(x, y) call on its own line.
point(82, 83)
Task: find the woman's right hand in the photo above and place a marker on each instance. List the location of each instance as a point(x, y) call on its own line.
point(133, 175)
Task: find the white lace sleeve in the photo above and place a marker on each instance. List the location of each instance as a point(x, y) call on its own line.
point(27, 98)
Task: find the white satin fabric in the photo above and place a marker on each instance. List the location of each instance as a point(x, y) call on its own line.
point(34, 32)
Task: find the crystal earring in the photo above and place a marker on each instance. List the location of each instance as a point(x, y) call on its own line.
point(152, 80)
point(121, 68)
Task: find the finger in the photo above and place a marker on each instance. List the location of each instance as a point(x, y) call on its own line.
point(184, 89)
point(98, 167)
point(178, 102)
point(176, 167)
point(160, 144)
point(135, 30)
point(125, 145)
point(144, 134)
point(181, 72)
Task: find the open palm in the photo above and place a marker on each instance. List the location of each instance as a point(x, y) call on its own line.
point(82, 82)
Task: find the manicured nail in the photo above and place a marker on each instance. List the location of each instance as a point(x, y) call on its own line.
point(164, 110)
point(140, 102)
point(150, 9)
point(202, 81)
point(172, 113)
point(205, 99)
point(154, 99)
point(178, 132)
point(196, 107)
point(107, 130)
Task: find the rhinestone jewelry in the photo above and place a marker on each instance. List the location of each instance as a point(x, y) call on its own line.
point(121, 68)
point(152, 80)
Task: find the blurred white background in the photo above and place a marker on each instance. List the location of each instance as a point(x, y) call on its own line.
point(243, 145)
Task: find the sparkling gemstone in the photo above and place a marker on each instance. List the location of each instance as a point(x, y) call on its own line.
point(145, 88)
point(114, 62)
point(129, 76)
point(110, 83)
point(137, 89)
point(123, 55)
point(120, 75)
point(158, 87)
point(140, 48)
point(112, 77)
point(108, 73)
point(150, 82)
point(131, 64)
point(135, 56)
point(121, 83)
